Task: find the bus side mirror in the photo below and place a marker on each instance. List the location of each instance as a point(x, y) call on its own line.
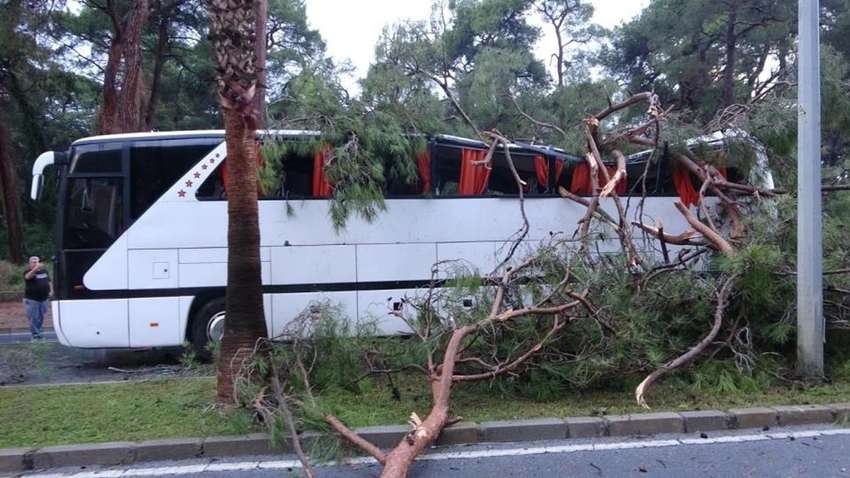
point(37, 186)
point(44, 160)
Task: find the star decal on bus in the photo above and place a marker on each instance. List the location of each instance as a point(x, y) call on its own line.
point(203, 166)
point(181, 193)
point(197, 175)
point(188, 184)
point(212, 160)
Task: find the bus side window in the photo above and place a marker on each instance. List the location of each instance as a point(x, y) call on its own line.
point(502, 180)
point(447, 167)
point(564, 180)
point(397, 187)
point(292, 178)
point(212, 188)
point(298, 171)
point(154, 167)
point(636, 181)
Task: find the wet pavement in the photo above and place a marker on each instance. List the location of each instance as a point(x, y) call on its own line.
point(49, 362)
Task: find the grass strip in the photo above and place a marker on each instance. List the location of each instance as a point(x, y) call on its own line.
point(175, 408)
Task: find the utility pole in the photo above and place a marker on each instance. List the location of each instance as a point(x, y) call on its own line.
point(810, 320)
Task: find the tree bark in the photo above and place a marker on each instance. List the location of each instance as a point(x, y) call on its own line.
point(245, 321)
point(11, 194)
point(399, 460)
point(232, 35)
point(159, 64)
point(729, 68)
point(123, 78)
point(261, 13)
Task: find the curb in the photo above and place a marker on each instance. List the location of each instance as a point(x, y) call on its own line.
point(15, 460)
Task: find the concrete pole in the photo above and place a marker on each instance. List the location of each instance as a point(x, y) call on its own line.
point(810, 320)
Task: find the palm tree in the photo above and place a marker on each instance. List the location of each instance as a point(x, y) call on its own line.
point(233, 39)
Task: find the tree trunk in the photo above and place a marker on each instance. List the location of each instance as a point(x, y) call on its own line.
point(261, 12)
point(159, 63)
point(245, 317)
point(233, 38)
point(11, 193)
point(729, 68)
point(123, 78)
point(399, 460)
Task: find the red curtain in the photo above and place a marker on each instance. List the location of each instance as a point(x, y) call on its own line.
point(423, 163)
point(580, 183)
point(541, 167)
point(581, 180)
point(473, 177)
point(321, 187)
point(684, 186)
point(258, 153)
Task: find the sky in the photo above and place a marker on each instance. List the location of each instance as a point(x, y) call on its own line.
point(352, 28)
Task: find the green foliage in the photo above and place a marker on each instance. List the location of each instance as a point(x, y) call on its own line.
point(687, 64)
point(723, 378)
point(365, 150)
point(206, 365)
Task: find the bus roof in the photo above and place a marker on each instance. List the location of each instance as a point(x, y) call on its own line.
point(520, 147)
point(208, 133)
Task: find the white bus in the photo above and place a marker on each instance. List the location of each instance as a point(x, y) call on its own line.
point(141, 232)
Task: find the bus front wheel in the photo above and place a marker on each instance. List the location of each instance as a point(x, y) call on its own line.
point(208, 327)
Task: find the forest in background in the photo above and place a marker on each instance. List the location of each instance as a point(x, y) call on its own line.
point(69, 70)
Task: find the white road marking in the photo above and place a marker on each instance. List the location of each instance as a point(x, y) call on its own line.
point(457, 455)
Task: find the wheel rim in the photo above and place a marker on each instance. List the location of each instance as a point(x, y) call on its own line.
point(215, 328)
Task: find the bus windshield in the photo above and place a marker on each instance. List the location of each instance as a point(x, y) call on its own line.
point(95, 213)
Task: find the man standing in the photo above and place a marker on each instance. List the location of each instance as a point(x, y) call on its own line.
point(38, 290)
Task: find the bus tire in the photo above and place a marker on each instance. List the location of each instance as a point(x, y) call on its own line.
point(204, 323)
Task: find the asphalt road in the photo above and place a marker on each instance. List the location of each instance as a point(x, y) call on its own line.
point(25, 363)
point(788, 452)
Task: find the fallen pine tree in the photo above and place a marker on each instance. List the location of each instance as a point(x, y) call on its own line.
point(565, 311)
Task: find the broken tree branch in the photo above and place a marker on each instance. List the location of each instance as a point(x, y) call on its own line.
point(538, 123)
point(722, 296)
point(556, 327)
point(645, 96)
point(618, 176)
point(622, 231)
point(602, 215)
point(683, 239)
point(355, 439)
point(594, 202)
point(277, 389)
point(711, 235)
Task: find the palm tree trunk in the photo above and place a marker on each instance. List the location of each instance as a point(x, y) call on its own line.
point(233, 39)
point(245, 318)
point(261, 13)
